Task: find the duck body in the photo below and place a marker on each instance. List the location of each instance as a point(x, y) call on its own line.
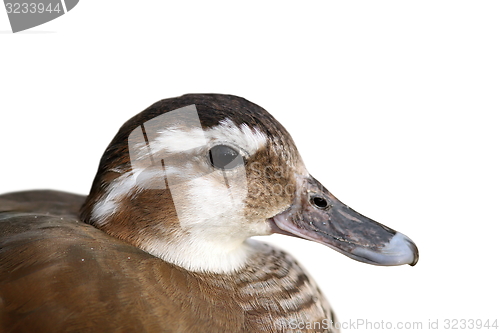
point(162, 243)
point(69, 260)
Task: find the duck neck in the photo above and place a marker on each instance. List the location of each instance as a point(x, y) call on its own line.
point(197, 255)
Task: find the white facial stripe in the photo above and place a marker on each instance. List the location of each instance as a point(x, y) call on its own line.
point(243, 136)
point(108, 204)
point(126, 185)
point(175, 140)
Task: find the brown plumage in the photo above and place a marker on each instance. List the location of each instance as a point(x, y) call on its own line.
point(75, 278)
point(111, 266)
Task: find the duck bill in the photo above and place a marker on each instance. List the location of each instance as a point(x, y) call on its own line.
point(318, 216)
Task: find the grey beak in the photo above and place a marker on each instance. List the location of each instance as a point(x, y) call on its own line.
point(318, 216)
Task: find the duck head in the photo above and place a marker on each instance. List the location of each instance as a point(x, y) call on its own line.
point(190, 179)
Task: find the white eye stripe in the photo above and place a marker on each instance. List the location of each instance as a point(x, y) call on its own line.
point(176, 140)
point(249, 139)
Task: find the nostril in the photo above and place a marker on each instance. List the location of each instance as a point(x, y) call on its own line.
point(319, 202)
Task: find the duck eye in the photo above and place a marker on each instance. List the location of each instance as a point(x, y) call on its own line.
point(319, 202)
point(224, 157)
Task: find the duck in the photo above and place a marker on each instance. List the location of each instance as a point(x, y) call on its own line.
point(163, 241)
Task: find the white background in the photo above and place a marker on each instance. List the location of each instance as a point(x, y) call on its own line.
point(393, 104)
